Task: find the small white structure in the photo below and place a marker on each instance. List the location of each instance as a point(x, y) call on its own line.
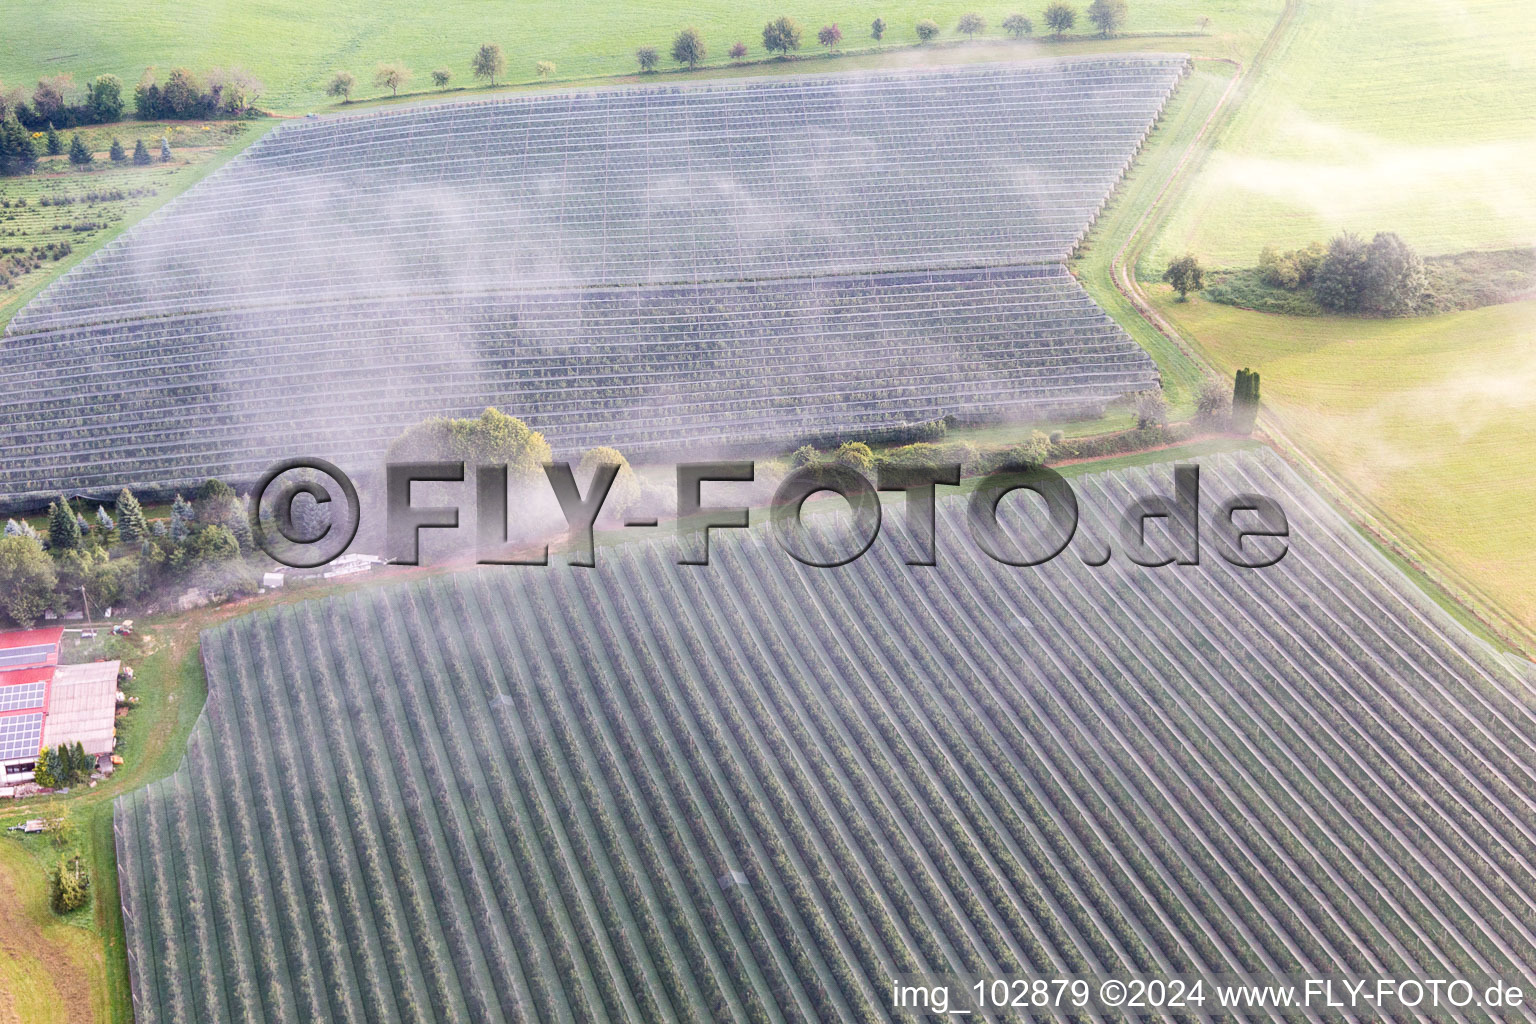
point(347, 565)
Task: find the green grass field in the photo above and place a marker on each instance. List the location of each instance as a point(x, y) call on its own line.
point(294, 47)
point(1402, 116)
point(1398, 115)
point(1426, 420)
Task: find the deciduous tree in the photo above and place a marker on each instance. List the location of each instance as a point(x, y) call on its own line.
point(829, 36)
point(1107, 15)
point(877, 29)
point(970, 24)
point(488, 62)
point(927, 29)
point(27, 579)
point(1186, 275)
point(688, 47)
point(391, 77)
point(781, 35)
point(1018, 26)
point(647, 58)
point(341, 84)
point(441, 77)
point(1060, 18)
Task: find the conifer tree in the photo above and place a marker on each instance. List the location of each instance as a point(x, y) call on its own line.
point(131, 524)
point(182, 516)
point(165, 150)
point(140, 154)
point(63, 527)
point(79, 155)
point(55, 145)
point(117, 153)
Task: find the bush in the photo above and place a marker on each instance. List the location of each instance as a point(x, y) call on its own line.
point(738, 50)
point(927, 30)
point(803, 456)
point(1151, 409)
point(1213, 404)
point(647, 58)
point(544, 68)
point(855, 455)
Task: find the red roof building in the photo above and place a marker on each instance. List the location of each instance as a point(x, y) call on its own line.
point(30, 680)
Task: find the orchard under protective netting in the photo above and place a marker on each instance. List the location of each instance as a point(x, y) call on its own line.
point(739, 214)
point(758, 792)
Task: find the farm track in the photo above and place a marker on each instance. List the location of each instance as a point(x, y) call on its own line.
point(533, 787)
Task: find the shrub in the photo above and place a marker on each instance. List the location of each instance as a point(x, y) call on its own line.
point(1213, 404)
point(855, 455)
point(1151, 409)
point(738, 50)
point(927, 29)
point(803, 456)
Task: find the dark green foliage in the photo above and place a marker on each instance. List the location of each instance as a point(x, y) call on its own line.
point(647, 58)
point(341, 85)
point(54, 142)
point(1248, 289)
point(27, 579)
point(970, 24)
point(105, 99)
point(1340, 279)
point(132, 527)
point(1471, 280)
point(79, 155)
point(165, 150)
point(927, 29)
point(494, 438)
point(1291, 270)
point(488, 62)
point(1108, 16)
point(877, 29)
point(1394, 277)
point(1186, 275)
point(781, 35)
point(182, 518)
point(141, 156)
point(1018, 26)
point(1245, 400)
point(18, 154)
point(117, 153)
point(63, 526)
point(69, 885)
point(688, 47)
point(1060, 18)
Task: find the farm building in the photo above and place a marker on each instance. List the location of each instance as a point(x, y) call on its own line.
point(45, 704)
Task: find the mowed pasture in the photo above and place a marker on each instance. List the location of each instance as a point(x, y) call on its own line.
point(294, 47)
point(757, 792)
point(1390, 116)
point(1427, 421)
point(1403, 117)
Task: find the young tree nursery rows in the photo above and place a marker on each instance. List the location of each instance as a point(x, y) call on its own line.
point(757, 792)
